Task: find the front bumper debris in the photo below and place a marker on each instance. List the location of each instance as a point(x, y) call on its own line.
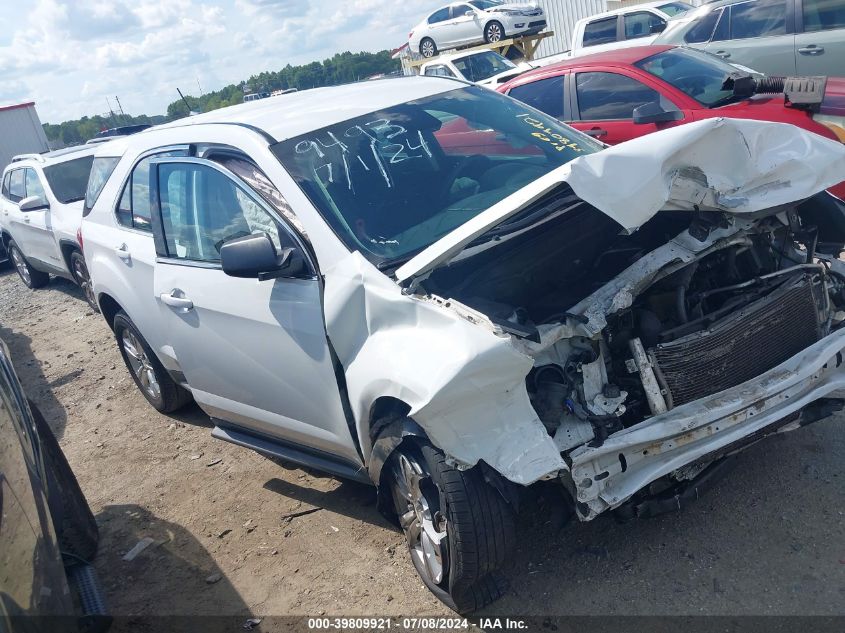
point(607, 476)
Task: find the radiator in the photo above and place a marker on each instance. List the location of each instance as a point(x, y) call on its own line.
point(745, 344)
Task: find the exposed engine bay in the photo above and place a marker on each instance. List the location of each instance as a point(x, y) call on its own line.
point(745, 304)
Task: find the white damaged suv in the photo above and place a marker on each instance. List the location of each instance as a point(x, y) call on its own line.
point(436, 289)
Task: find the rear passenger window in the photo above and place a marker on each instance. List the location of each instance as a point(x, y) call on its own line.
point(439, 16)
point(546, 95)
point(202, 209)
point(133, 209)
point(758, 18)
point(606, 96)
point(641, 24)
point(17, 187)
point(822, 15)
point(600, 32)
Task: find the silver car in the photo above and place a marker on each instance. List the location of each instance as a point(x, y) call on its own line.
point(431, 287)
point(775, 37)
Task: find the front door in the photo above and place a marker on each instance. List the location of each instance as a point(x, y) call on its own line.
point(253, 352)
point(465, 26)
point(32, 230)
point(757, 34)
point(605, 104)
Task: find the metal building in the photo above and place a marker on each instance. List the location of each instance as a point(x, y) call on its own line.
point(20, 132)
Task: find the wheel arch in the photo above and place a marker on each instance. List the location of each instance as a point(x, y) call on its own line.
point(109, 307)
point(67, 248)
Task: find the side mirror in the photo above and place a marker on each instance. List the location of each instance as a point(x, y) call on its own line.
point(255, 256)
point(469, 14)
point(654, 113)
point(33, 203)
point(658, 28)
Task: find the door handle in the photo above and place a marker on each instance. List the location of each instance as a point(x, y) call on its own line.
point(595, 132)
point(123, 252)
point(723, 54)
point(174, 301)
point(27, 219)
point(812, 49)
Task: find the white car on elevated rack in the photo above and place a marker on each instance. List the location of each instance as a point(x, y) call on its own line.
point(431, 287)
point(474, 22)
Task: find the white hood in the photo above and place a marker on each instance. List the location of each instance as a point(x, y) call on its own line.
point(731, 165)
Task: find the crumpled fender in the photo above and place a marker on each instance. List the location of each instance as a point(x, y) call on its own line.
point(465, 384)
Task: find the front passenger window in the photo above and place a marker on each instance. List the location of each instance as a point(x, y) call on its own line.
point(17, 187)
point(33, 185)
point(202, 209)
point(641, 24)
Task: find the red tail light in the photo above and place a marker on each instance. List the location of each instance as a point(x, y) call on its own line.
point(79, 238)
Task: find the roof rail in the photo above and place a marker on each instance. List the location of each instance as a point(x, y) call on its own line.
point(35, 157)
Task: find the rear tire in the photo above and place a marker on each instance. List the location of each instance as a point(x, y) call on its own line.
point(428, 48)
point(30, 277)
point(150, 376)
point(83, 279)
point(76, 528)
point(494, 32)
point(459, 529)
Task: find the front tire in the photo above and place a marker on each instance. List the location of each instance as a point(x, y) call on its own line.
point(494, 32)
point(150, 376)
point(83, 279)
point(428, 48)
point(459, 529)
point(30, 277)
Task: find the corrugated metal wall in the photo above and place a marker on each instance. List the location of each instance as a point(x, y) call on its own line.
point(20, 133)
point(562, 16)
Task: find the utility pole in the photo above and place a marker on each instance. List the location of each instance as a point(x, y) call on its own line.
point(185, 101)
point(111, 112)
point(120, 107)
point(199, 86)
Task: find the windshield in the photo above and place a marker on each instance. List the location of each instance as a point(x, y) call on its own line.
point(675, 8)
point(69, 180)
point(483, 65)
point(485, 4)
point(394, 181)
point(700, 75)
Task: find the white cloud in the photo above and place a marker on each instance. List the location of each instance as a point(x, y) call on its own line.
point(69, 55)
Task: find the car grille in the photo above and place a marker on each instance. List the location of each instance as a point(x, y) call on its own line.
point(536, 23)
point(746, 344)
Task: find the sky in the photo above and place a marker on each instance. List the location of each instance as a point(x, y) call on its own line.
point(70, 56)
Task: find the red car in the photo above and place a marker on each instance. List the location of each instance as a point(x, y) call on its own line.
point(621, 94)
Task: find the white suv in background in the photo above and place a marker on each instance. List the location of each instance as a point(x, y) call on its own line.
point(474, 22)
point(40, 212)
point(637, 25)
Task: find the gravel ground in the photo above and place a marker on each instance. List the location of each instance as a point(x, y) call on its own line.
point(769, 539)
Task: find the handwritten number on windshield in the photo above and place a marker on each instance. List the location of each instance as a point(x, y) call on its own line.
point(387, 141)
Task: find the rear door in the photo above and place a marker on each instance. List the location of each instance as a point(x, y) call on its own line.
point(759, 34)
point(254, 353)
point(440, 28)
point(820, 38)
point(29, 229)
point(604, 102)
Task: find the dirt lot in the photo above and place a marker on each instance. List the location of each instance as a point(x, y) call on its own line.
point(768, 540)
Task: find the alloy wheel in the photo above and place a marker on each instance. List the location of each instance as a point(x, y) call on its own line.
point(428, 48)
point(20, 265)
point(494, 33)
point(425, 528)
point(140, 364)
